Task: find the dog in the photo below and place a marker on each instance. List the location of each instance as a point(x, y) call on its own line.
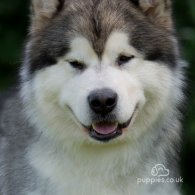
point(98, 104)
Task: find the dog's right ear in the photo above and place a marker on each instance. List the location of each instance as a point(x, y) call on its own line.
point(43, 11)
point(157, 11)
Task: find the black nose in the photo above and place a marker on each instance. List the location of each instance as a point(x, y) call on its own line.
point(102, 101)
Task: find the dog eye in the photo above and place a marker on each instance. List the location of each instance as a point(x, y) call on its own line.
point(136, 2)
point(122, 59)
point(77, 65)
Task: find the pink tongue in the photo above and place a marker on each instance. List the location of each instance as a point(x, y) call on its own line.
point(105, 128)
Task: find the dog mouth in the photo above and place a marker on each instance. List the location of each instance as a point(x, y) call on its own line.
point(106, 131)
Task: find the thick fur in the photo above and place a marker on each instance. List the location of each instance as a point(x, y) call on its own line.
point(44, 144)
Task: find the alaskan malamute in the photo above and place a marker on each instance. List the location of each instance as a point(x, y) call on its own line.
point(97, 111)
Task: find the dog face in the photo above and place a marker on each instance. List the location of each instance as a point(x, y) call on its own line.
point(98, 71)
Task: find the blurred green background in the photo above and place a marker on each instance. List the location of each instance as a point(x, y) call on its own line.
point(13, 29)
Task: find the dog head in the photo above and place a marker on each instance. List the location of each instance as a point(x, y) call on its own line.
point(100, 70)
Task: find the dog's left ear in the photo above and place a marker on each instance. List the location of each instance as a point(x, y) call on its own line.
point(43, 11)
point(158, 11)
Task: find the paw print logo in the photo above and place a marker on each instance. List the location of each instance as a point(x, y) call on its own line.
point(159, 170)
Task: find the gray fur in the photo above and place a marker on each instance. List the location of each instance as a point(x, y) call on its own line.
point(16, 135)
point(50, 40)
point(95, 20)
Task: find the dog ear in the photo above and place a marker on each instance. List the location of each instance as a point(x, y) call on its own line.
point(158, 11)
point(43, 11)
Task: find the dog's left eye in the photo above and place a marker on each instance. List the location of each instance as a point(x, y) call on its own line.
point(77, 65)
point(122, 59)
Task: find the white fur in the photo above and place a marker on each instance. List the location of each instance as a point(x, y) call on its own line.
point(73, 162)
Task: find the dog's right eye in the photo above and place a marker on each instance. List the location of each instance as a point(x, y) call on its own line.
point(123, 59)
point(77, 65)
